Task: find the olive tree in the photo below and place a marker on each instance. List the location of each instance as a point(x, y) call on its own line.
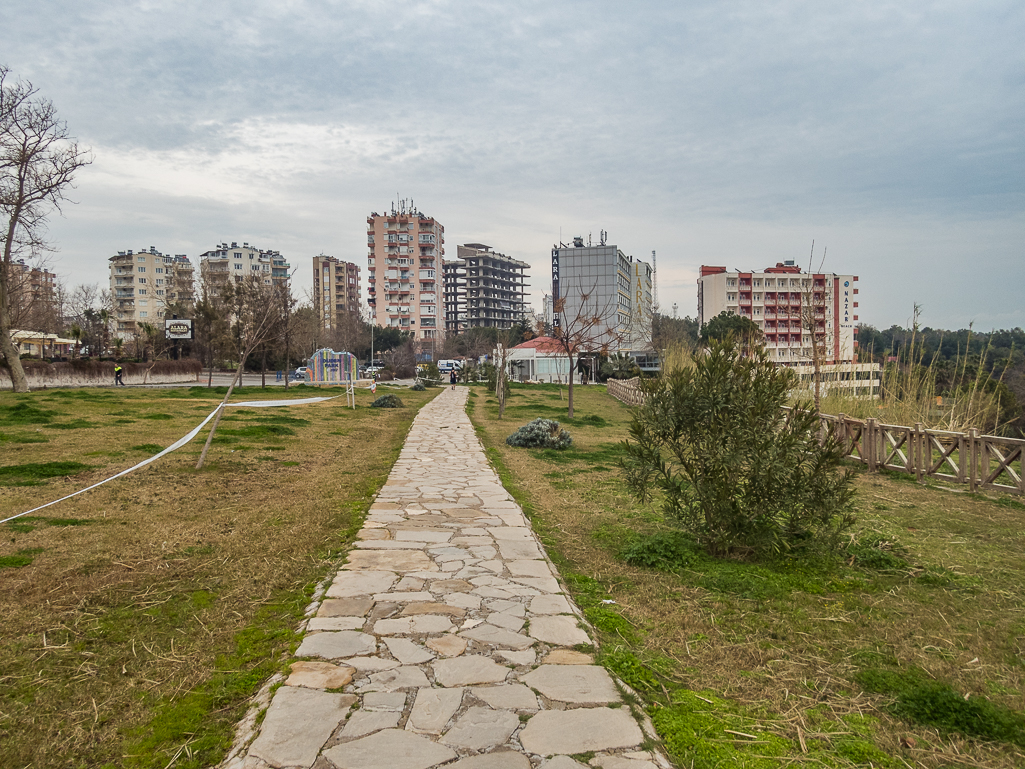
point(38, 162)
point(715, 447)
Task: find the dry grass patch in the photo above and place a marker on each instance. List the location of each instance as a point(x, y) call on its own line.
point(796, 657)
point(152, 607)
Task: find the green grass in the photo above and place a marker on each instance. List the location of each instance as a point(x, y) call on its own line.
point(22, 438)
point(34, 473)
point(20, 559)
point(927, 580)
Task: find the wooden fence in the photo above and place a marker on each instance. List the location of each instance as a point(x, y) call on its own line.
point(979, 461)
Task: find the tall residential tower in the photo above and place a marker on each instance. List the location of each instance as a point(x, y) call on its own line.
point(404, 271)
point(484, 288)
point(335, 290)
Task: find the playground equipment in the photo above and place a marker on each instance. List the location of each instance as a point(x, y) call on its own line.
point(334, 368)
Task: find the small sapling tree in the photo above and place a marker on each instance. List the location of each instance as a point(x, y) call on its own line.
point(729, 465)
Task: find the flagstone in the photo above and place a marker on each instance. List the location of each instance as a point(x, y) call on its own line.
point(319, 675)
point(389, 749)
point(349, 584)
point(481, 728)
point(345, 607)
point(424, 623)
point(405, 677)
point(529, 568)
point(622, 762)
point(562, 762)
point(507, 696)
point(433, 709)
point(580, 730)
point(334, 645)
point(364, 722)
point(397, 560)
point(558, 630)
point(407, 652)
point(433, 607)
point(516, 550)
point(466, 670)
point(399, 597)
point(544, 584)
point(496, 636)
point(371, 664)
point(500, 759)
point(297, 724)
point(447, 645)
point(568, 657)
point(526, 657)
point(576, 684)
point(507, 621)
point(394, 701)
point(550, 604)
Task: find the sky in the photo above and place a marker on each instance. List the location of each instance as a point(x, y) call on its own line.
point(890, 134)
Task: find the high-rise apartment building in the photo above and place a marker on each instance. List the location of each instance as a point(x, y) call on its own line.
point(404, 271)
point(484, 288)
point(235, 262)
point(335, 290)
point(601, 282)
point(146, 285)
point(32, 298)
point(784, 303)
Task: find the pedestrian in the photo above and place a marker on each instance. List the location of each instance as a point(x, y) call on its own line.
point(452, 378)
point(118, 371)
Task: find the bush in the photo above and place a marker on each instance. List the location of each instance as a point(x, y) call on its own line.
point(385, 375)
point(541, 433)
point(730, 467)
point(387, 402)
point(418, 386)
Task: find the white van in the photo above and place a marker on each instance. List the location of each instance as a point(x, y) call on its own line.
point(446, 366)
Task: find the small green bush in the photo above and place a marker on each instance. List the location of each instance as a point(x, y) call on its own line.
point(418, 386)
point(730, 467)
point(542, 434)
point(387, 402)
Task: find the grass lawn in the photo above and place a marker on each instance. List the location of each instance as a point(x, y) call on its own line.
point(138, 618)
point(909, 651)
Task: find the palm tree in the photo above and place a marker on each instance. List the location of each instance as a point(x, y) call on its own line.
point(149, 334)
point(76, 334)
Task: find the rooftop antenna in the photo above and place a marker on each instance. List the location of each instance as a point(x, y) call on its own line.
point(654, 277)
point(588, 240)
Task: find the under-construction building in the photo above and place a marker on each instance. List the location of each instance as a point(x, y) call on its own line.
point(484, 289)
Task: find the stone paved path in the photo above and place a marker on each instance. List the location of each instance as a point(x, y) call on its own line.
point(446, 640)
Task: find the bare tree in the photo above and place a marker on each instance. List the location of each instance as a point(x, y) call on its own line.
point(38, 162)
point(586, 325)
point(255, 307)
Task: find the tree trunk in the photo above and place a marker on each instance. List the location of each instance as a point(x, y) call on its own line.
point(263, 368)
point(569, 412)
point(11, 359)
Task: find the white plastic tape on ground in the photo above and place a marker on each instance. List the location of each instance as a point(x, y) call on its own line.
point(178, 444)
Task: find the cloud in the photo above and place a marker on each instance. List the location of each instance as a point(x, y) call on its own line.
point(712, 133)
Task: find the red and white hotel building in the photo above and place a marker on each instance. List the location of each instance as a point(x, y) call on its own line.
point(775, 299)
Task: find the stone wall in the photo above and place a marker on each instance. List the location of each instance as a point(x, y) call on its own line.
point(85, 373)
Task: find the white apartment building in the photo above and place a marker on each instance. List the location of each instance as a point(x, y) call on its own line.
point(145, 284)
point(233, 261)
point(404, 271)
point(617, 289)
point(781, 301)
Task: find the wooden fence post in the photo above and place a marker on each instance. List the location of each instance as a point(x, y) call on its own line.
point(917, 455)
point(868, 442)
point(973, 459)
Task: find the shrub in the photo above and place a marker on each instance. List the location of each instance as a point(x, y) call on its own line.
point(732, 468)
point(418, 386)
point(387, 402)
point(541, 433)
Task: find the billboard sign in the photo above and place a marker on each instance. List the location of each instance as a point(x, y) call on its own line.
point(178, 328)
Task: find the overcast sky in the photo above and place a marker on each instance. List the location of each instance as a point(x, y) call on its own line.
point(723, 133)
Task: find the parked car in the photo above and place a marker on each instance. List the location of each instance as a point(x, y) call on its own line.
point(372, 370)
point(300, 373)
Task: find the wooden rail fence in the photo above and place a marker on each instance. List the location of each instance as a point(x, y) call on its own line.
point(979, 461)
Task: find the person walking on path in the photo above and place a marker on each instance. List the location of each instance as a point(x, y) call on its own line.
point(452, 378)
point(118, 371)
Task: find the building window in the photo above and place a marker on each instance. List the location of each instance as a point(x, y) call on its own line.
point(238, 266)
point(142, 280)
point(142, 269)
point(158, 269)
point(143, 314)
